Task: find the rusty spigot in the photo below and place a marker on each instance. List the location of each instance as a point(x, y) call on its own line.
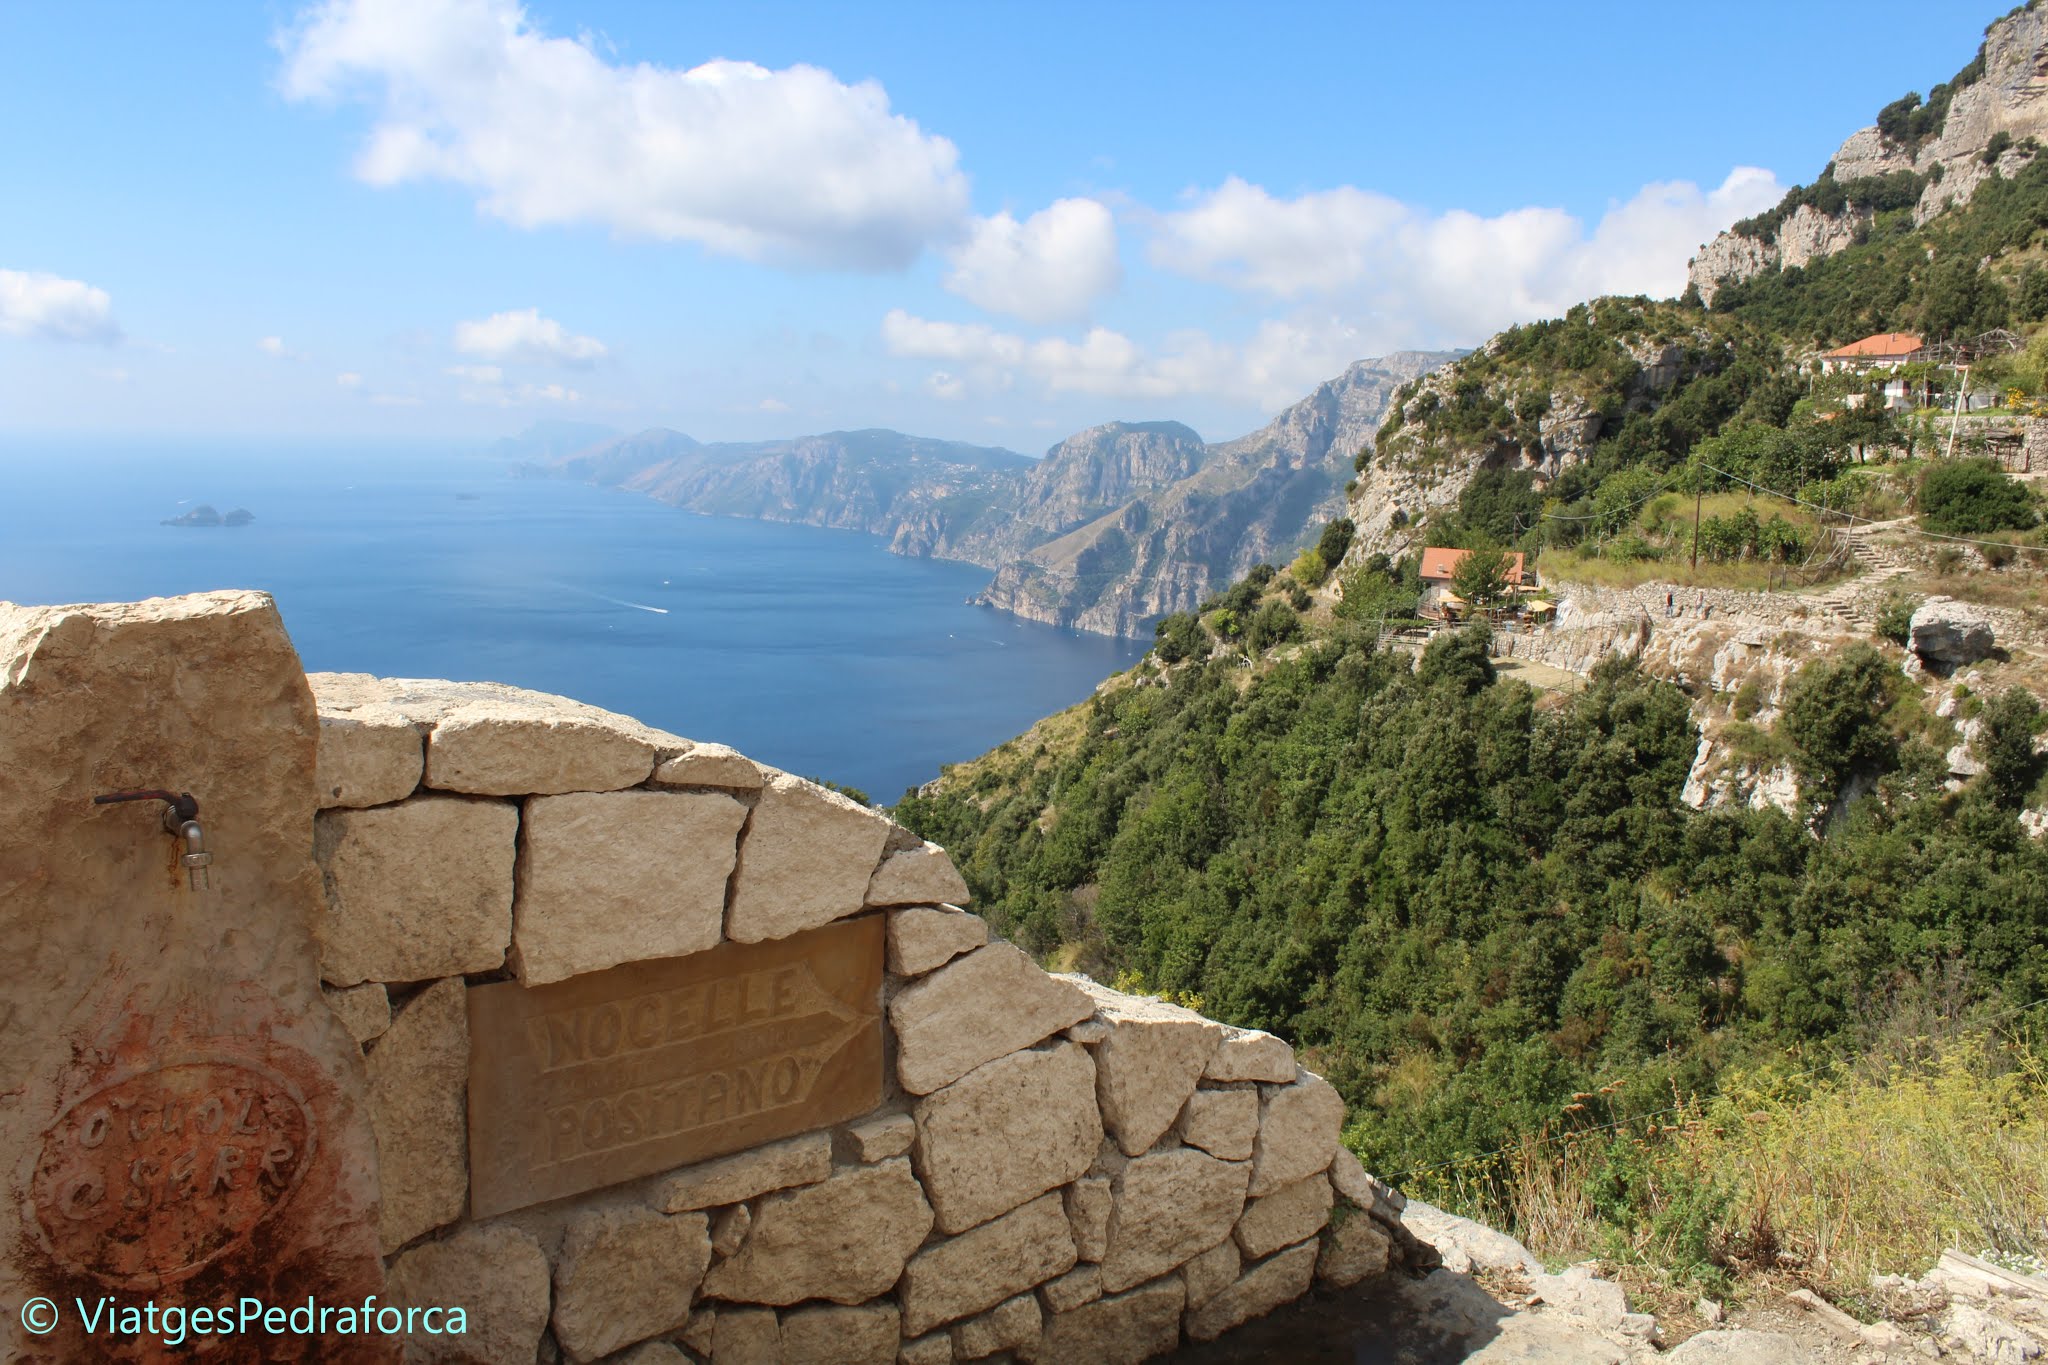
point(181, 820)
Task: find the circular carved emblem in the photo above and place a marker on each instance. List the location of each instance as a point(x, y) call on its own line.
point(153, 1176)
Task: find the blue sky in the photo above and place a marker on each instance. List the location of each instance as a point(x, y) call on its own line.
point(993, 222)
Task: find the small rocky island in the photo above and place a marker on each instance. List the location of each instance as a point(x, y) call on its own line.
point(207, 515)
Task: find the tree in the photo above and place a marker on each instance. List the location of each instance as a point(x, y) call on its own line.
point(1834, 716)
point(2005, 743)
point(1310, 568)
point(1969, 497)
point(1336, 539)
point(1180, 636)
point(1481, 577)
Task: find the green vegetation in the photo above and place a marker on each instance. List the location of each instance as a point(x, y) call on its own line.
point(1473, 907)
point(1972, 497)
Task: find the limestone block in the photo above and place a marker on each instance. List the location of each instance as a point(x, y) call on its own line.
point(795, 1161)
point(365, 1010)
point(1090, 1031)
point(418, 1079)
point(709, 765)
point(879, 1138)
point(1148, 1065)
point(699, 1331)
point(1123, 1330)
point(536, 746)
point(612, 877)
point(1950, 633)
point(1290, 1214)
point(845, 1239)
point(929, 936)
point(1169, 1207)
point(496, 1273)
point(729, 1227)
point(917, 876)
point(840, 1336)
point(1088, 1202)
point(1222, 1123)
point(1006, 1132)
point(981, 1268)
point(651, 1353)
point(1011, 1326)
point(370, 757)
point(936, 1349)
point(1212, 1272)
point(1298, 1127)
point(1354, 1247)
point(1274, 1281)
point(986, 1005)
point(805, 861)
point(624, 1274)
point(1367, 1191)
point(1251, 1055)
point(1082, 1284)
point(117, 971)
point(417, 890)
point(746, 1336)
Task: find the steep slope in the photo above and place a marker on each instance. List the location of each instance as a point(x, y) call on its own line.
point(1251, 499)
point(1930, 156)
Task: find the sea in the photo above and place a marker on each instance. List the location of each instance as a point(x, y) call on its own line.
point(816, 651)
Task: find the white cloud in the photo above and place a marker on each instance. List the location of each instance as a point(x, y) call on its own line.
point(523, 334)
point(771, 405)
point(791, 166)
point(51, 308)
point(114, 375)
point(275, 346)
point(348, 379)
point(478, 374)
point(1049, 268)
point(486, 384)
point(1457, 275)
point(1278, 365)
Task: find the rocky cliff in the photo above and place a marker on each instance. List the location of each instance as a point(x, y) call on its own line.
point(1987, 119)
point(1255, 498)
point(1116, 525)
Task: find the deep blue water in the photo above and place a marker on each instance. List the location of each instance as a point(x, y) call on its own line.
point(813, 650)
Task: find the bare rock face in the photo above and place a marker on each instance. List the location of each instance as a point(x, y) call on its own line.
point(981, 1268)
point(1264, 1287)
point(625, 1274)
point(927, 937)
point(1122, 1330)
point(808, 858)
point(1169, 1207)
point(1298, 1127)
point(497, 1274)
point(1005, 1132)
point(975, 1009)
point(709, 765)
point(1148, 1065)
point(917, 876)
point(417, 890)
point(592, 864)
point(419, 1075)
point(846, 1239)
point(116, 965)
point(1948, 633)
point(1251, 1055)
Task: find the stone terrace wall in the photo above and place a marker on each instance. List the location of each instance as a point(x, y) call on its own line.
point(1055, 1171)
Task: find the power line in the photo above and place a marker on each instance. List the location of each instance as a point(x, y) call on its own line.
point(1868, 521)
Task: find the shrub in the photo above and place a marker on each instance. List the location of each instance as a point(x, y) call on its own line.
point(1275, 623)
point(1895, 617)
point(2005, 743)
point(1180, 636)
point(1310, 568)
point(1971, 497)
point(1335, 540)
point(1834, 717)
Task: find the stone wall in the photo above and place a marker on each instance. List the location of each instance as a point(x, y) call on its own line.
point(1025, 1166)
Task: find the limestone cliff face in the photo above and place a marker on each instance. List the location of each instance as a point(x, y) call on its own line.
point(1116, 525)
point(1255, 498)
point(2009, 95)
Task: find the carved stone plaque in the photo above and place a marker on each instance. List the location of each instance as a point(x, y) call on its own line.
point(626, 1072)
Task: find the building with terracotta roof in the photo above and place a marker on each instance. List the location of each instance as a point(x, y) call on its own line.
point(1884, 351)
point(1439, 565)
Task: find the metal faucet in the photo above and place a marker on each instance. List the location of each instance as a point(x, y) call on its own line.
point(181, 821)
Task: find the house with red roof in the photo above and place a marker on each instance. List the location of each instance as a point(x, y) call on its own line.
point(1884, 351)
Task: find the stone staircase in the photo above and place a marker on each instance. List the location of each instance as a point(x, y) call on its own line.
point(1854, 602)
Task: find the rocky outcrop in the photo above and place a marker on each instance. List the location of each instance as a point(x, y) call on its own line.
point(1946, 633)
point(2007, 95)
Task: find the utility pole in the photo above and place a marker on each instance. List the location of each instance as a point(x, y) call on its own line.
point(1698, 492)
